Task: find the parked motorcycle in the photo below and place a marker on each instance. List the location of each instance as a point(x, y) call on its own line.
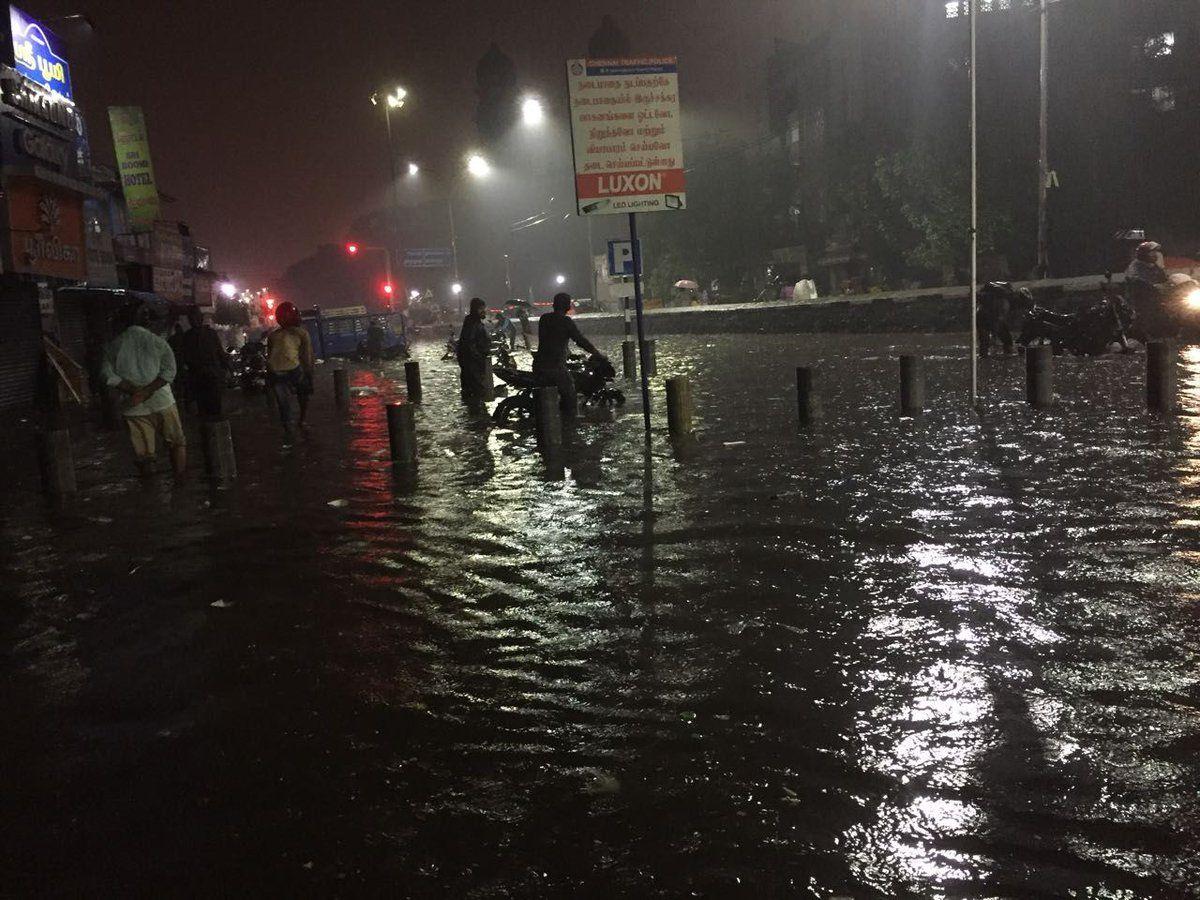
point(592, 376)
point(1089, 332)
point(253, 376)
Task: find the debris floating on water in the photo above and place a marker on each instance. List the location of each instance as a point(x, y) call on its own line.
point(220, 604)
point(735, 443)
point(338, 504)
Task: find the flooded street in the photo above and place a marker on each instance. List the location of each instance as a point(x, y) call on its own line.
point(953, 656)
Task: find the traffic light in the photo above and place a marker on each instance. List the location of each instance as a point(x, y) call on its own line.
point(388, 289)
point(352, 249)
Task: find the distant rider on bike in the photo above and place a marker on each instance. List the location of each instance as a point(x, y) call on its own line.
point(556, 330)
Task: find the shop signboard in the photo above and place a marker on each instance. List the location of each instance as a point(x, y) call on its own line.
point(45, 229)
point(132, 146)
point(626, 135)
point(168, 283)
point(35, 53)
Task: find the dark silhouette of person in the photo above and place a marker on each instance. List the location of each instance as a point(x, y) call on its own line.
point(206, 362)
point(374, 340)
point(473, 351)
point(556, 331)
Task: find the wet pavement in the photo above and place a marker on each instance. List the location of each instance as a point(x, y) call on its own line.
point(954, 656)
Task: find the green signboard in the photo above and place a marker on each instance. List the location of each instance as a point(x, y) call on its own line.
point(133, 162)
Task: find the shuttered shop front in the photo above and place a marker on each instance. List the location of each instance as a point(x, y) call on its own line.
point(20, 344)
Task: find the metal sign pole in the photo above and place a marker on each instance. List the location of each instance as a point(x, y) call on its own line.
point(974, 209)
point(641, 331)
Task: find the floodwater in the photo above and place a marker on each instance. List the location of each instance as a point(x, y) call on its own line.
point(955, 656)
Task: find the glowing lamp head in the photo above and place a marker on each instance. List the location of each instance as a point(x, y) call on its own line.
point(413, 169)
point(1192, 299)
point(478, 167)
point(560, 279)
point(414, 295)
point(456, 288)
point(532, 112)
point(228, 290)
point(388, 289)
point(352, 249)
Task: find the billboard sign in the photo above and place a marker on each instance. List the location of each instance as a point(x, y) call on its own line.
point(35, 53)
point(133, 162)
point(626, 134)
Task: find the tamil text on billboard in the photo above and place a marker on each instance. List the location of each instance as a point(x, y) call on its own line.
point(626, 134)
point(35, 53)
point(133, 162)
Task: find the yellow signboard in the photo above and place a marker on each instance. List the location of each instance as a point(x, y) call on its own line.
point(133, 162)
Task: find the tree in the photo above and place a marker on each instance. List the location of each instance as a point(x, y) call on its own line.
point(608, 41)
point(496, 93)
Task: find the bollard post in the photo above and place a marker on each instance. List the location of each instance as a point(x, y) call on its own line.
point(412, 380)
point(627, 302)
point(1039, 377)
point(217, 443)
point(1160, 377)
point(402, 434)
point(549, 418)
point(341, 388)
point(629, 358)
point(808, 400)
point(651, 361)
point(489, 381)
point(58, 463)
point(912, 385)
point(679, 407)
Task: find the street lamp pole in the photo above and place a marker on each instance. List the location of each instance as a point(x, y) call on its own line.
point(454, 243)
point(974, 205)
point(387, 114)
point(1043, 235)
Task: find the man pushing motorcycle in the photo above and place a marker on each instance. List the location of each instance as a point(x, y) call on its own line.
point(556, 330)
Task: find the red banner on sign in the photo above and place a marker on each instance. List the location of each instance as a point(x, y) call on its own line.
point(628, 184)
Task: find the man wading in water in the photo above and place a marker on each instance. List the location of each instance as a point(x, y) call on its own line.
point(556, 330)
point(474, 349)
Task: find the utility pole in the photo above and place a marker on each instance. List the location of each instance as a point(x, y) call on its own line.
point(1043, 235)
point(974, 205)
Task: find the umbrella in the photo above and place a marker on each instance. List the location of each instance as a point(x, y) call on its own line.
point(687, 286)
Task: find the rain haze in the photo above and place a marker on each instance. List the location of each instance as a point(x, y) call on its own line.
point(647, 449)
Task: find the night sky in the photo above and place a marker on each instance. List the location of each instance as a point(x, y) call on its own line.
point(258, 111)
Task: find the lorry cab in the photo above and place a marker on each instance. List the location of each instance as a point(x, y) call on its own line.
point(343, 331)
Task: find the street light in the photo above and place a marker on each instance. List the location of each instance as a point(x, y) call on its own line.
point(414, 170)
point(560, 279)
point(532, 112)
point(393, 101)
point(228, 289)
point(478, 167)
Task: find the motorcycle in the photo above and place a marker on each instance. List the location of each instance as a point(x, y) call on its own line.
point(253, 367)
point(592, 376)
point(1089, 332)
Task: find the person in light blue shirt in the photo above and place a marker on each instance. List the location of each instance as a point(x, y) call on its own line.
point(141, 366)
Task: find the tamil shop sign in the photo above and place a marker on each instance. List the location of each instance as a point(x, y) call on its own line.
point(35, 53)
point(46, 230)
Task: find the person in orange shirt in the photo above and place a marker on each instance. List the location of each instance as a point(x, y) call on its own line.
point(290, 366)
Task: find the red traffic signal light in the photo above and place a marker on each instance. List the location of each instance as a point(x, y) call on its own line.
point(352, 249)
point(387, 288)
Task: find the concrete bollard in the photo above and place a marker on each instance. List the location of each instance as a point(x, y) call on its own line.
point(549, 418)
point(912, 385)
point(341, 388)
point(489, 382)
point(1039, 377)
point(216, 440)
point(651, 357)
point(402, 434)
point(808, 401)
point(1160, 377)
point(679, 407)
point(629, 359)
point(412, 380)
point(57, 463)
